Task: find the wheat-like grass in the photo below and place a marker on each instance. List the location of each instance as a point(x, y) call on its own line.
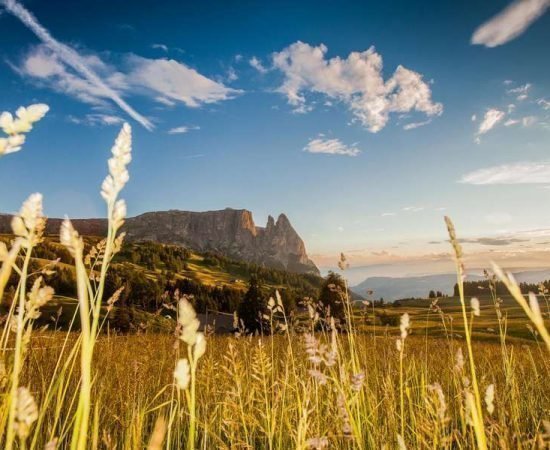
point(332, 387)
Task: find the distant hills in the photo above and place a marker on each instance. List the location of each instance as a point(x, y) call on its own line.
point(229, 232)
point(394, 288)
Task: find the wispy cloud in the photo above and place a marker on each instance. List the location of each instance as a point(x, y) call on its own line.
point(357, 81)
point(183, 129)
point(172, 80)
point(521, 92)
point(413, 208)
point(257, 64)
point(509, 23)
point(388, 214)
point(162, 47)
point(492, 241)
point(490, 119)
point(517, 173)
point(73, 60)
point(45, 67)
point(413, 125)
point(231, 75)
point(331, 147)
point(96, 120)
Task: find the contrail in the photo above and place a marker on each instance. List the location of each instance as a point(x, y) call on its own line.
point(72, 59)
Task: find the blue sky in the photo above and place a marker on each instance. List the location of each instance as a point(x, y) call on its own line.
point(283, 108)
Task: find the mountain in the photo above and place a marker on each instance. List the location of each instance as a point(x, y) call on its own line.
point(390, 288)
point(230, 232)
point(393, 288)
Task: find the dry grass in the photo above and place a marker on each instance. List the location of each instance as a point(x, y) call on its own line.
point(355, 389)
point(246, 399)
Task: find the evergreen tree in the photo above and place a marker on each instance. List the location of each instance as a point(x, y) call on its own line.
point(333, 296)
point(253, 307)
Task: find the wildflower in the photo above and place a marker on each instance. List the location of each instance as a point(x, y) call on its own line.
point(474, 303)
point(26, 412)
point(182, 374)
point(118, 174)
point(317, 443)
point(489, 398)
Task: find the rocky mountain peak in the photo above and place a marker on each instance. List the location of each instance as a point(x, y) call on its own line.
point(231, 232)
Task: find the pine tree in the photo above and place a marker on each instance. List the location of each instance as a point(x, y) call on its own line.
point(253, 307)
point(333, 295)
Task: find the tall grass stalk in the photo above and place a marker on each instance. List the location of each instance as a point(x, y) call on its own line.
point(461, 275)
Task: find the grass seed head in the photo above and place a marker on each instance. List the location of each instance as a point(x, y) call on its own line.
point(182, 374)
point(26, 412)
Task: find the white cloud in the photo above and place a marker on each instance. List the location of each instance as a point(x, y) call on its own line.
point(96, 120)
point(44, 66)
point(511, 122)
point(529, 121)
point(183, 129)
point(388, 214)
point(544, 104)
point(521, 91)
point(162, 47)
point(357, 81)
point(413, 208)
point(413, 125)
point(69, 57)
point(232, 75)
point(490, 119)
point(509, 23)
point(517, 173)
point(474, 117)
point(175, 81)
point(166, 81)
point(257, 64)
point(331, 147)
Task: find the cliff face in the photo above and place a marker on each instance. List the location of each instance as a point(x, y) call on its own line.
point(230, 232)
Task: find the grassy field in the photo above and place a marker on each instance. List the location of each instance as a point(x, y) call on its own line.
point(259, 392)
point(455, 374)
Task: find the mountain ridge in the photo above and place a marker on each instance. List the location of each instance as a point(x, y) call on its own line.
point(395, 288)
point(231, 232)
